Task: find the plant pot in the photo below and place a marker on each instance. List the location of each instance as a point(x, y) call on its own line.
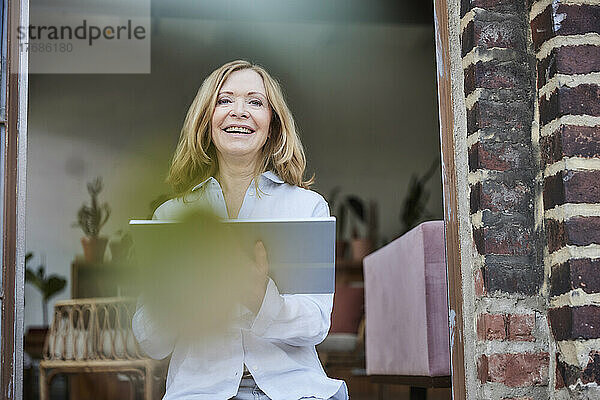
point(360, 248)
point(119, 251)
point(340, 249)
point(94, 248)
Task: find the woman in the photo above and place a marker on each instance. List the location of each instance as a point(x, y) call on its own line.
point(240, 153)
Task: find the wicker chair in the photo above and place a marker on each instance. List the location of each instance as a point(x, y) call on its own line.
point(95, 336)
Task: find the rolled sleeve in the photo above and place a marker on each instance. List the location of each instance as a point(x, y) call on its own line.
point(295, 319)
point(269, 309)
point(153, 341)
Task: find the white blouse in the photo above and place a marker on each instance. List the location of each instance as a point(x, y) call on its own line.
point(278, 343)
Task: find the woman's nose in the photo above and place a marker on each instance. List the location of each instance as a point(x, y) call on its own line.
point(239, 109)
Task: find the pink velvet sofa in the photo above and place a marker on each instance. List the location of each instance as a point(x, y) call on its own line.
point(406, 334)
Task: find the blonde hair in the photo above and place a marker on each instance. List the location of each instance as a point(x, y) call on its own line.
point(195, 157)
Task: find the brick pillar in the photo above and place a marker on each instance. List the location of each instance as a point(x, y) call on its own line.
point(566, 41)
point(512, 348)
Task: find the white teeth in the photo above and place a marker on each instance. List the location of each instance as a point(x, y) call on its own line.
point(237, 129)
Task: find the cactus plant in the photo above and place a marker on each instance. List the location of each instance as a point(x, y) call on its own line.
point(92, 218)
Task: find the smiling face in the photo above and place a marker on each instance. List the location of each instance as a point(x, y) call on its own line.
point(240, 122)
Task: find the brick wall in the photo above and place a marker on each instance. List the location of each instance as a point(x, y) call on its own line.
point(512, 348)
point(532, 96)
point(566, 41)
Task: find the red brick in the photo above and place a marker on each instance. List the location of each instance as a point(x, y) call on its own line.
point(576, 231)
point(507, 33)
point(541, 27)
point(560, 383)
point(575, 322)
point(514, 116)
point(520, 327)
point(467, 38)
point(581, 273)
point(483, 369)
point(518, 370)
point(494, 75)
point(491, 327)
point(475, 198)
point(498, 156)
point(571, 187)
point(571, 141)
point(488, 33)
point(508, 239)
point(579, 100)
point(581, 59)
point(582, 231)
point(499, 196)
point(555, 235)
point(568, 60)
point(523, 279)
point(576, 20)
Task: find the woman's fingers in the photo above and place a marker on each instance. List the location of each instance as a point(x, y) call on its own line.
point(260, 256)
point(258, 278)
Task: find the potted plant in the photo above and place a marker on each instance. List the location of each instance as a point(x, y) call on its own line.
point(414, 209)
point(91, 219)
point(340, 214)
point(361, 246)
point(49, 286)
point(120, 246)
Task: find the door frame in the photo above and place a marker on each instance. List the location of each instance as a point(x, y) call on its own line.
point(450, 194)
point(14, 168)
point(14, 155)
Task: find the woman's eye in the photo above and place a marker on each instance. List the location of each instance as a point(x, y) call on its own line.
point(256, 102)
point(223, 101)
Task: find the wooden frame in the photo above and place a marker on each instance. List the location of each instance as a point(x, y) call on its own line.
point(13, 124)
point(145, 370)
point(13, 207)
point(453, 258)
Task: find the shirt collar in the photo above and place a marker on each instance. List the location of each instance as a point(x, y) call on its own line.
point(272, 176)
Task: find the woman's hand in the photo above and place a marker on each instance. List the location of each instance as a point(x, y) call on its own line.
point(257, 284)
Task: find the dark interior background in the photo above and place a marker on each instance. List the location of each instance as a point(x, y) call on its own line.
point(359, 77)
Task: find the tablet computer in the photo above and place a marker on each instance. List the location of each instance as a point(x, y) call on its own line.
point(301, 252)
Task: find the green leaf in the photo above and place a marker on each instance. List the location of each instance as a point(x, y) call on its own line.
point(54, 285)
point(357, 206)
point(32, 278)
point(41, 273)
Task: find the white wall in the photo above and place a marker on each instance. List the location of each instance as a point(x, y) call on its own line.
point(364, 96)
